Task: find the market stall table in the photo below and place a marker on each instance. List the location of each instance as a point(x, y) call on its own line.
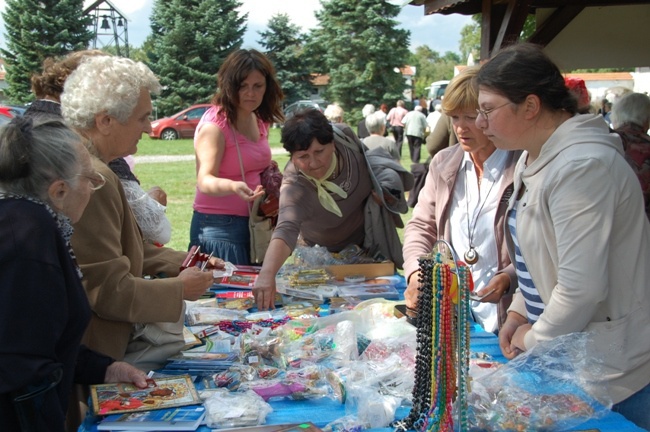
point(325, 410)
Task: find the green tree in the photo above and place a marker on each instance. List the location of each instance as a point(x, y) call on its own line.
point(135, 53)
point(444, 69)
point(358, 44)
point(189, 40)
point(35, 30)
point(470, 36)
point(424, 60)
point(432, 67)
point(283, 44)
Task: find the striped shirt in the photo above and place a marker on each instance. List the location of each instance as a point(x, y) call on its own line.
point(534, 304)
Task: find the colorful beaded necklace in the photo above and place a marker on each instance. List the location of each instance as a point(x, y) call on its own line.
point(442, 358)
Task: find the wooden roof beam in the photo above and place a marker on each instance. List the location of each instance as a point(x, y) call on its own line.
point(512, 24)
point(555, 24)
point(471, 7)
point(458, 6)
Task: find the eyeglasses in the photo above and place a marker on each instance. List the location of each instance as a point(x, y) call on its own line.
point(485, 113)
point(97, 180)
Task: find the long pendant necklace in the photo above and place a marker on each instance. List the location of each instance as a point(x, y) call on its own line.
point(471, 255)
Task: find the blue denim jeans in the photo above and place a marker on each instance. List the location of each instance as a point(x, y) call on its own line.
point(636, 408)
point(226, 236)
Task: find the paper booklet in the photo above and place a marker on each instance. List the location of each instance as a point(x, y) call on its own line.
point(367, 291)
point(240, 279)
point(187, 418)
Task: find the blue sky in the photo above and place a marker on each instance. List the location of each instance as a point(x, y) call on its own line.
point(440, 32)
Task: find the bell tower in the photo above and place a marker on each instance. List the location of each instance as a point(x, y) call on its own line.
point(110, 27)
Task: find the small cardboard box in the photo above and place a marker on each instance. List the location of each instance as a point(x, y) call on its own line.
point(370, 271)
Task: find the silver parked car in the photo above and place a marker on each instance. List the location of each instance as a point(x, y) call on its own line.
point(293, 108)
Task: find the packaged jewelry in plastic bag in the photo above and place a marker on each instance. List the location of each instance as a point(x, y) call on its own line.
point(345, 342)
point(371, 407)
point(211, 315)
point(239, 409)
point(552, 386)
point(349, 423)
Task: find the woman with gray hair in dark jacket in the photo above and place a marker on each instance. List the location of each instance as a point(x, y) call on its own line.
point(46, 180)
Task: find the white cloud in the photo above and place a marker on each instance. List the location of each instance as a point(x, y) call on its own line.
point(440, 32)
point(300, 12)
point(125, 6)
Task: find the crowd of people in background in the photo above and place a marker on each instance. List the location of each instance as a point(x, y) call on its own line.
point(545, 196)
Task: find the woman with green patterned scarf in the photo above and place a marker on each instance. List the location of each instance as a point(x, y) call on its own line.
point(326, 186)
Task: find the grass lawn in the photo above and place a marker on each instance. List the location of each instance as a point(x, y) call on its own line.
point(178, 179)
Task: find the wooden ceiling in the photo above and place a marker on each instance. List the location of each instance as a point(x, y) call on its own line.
point(576, 33)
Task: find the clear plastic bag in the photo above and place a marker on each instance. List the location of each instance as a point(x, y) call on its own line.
point(240, 409)
point(306, 257)
point(550, 387)
point(345, 342)
point(372, 407)
point(388, 376)
point(211, 315)
point(349, 423)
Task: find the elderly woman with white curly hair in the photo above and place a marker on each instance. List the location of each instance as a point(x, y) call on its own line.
point(108, 99)
point(334, 113)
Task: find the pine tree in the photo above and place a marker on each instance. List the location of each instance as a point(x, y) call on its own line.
point(35, 30)
point(283, 44)
point(361, 48)
point(190, 39)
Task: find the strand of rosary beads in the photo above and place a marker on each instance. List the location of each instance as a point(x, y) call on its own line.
point(443, 384)
point(438, 348)
point(423, 356)
point(465, 285)
point(453, 339)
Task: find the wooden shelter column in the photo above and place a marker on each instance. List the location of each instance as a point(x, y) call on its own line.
point(501, 24)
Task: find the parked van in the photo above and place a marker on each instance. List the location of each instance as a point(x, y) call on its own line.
point(437, 90)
